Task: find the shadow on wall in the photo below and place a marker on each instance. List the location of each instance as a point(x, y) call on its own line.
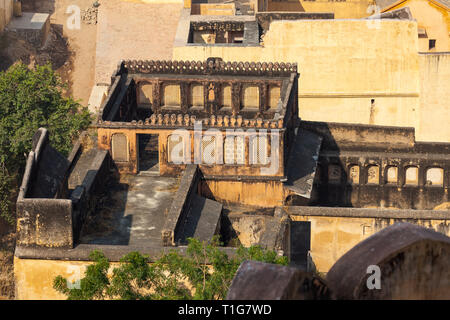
point(332, 182)
point(40, 6)
point(107, 224)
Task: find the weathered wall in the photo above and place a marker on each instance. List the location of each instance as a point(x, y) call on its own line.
point(350, 9)
point(180, 205)
point(413, 262)
point(254, 193)
point(334, 231)
point(6, 13)
point(374, 80)
point(431, 17)
point(213, 9)
point(434, 113)
point(375, 166)
point(34, 278)
point(44, 222)
point(192, 152)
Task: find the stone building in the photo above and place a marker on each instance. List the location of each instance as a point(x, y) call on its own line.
point(202, 148)
point(386, 81)
point(433, 20)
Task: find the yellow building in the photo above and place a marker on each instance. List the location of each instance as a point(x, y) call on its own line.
point(352, 71)
point(433, 19)
point(342, 9)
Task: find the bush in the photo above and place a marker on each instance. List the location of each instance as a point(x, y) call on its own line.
point(204, 273)
point(30, 99)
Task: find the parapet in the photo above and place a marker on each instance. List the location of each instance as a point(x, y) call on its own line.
point(48, 212)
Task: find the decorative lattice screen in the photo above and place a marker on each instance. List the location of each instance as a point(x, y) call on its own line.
point(175, 148)
point(208, 149)
point(259, 150)
point(234, 150)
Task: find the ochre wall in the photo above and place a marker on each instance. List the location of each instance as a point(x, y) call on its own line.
point(213, 9)
point(331, 237)
point(434, 115)
point(350, 9)
point(343, 66)
point(169, 169)
point(435, 19)
point(34, 278)
point(6, 13)
point(264, 194)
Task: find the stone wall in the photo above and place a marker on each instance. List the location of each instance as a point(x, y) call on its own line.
point(48, 213)
point(334, 231)
point(44, 216)
point(340, 80)
point(181, 204)
point(368, 166)
point(350, 9)
point(434, 112)
point(6, 13)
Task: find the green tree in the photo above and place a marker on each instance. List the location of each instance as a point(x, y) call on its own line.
point(204, 273)
point(29, 99)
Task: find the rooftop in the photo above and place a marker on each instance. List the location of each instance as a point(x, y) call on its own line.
point(133, 211)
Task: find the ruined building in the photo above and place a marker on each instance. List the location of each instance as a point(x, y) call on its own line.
point(196, 149)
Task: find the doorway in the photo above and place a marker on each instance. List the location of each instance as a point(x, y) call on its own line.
point(148, 152)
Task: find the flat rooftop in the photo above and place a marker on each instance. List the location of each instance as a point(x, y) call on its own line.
point(29, 21)
point(132, 212)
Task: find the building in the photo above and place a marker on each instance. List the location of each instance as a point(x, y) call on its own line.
point(204, 148)
point(383, 82)
point(346, 9)
point(433, 21)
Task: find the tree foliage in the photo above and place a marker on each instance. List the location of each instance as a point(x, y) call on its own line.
point(205, 272)
point(30, 99)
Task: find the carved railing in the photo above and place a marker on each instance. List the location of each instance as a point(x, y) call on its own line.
point(211, 66)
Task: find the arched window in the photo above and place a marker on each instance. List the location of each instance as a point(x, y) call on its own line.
point(119, 147)
point(435, 177)
point(209, 149)
point(226, 96)
point(334, 174)
point(259, 152)
point(234, 148)
point(391, 174)
point(145, 93)
point(373, 174)
point(353, 174)
point(412, 176)
point(274, 96)
point(250, 97)
point(175, 149)
point(171, 95)
point(197, 96)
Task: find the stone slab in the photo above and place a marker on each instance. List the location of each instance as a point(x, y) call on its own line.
point(203, 219)
point(302, 163)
